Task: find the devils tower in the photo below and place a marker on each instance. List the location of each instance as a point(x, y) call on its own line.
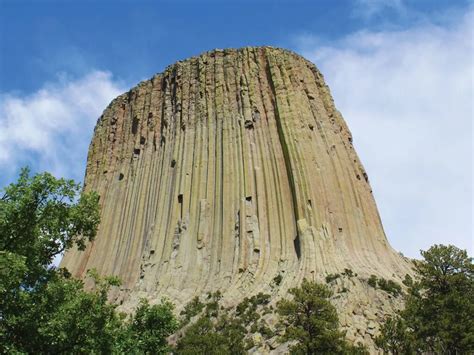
point(228, 170)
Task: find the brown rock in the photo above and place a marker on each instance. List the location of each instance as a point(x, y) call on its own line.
point(225, 171)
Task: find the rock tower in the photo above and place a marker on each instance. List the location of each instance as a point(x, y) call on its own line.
point(227, 170)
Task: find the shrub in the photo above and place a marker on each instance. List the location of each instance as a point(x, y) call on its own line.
point(192, 309)
point(348, 273)
point(408, 281)
point(331, 277)
point(372, 281)
point(388, 286)
point(277, 279)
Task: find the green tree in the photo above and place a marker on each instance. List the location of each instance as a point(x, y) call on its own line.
point(43, 309)
point(311, 320)
point(147, 330)
point(41, 217)
point(63, 318)
point(202, 338)
point(217, 331)
point(438, 315)
point(396, 337)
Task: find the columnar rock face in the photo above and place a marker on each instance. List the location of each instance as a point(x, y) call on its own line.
point(225, 171)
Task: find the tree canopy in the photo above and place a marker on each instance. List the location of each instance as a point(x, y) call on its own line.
point(42, 308)
point(438, 315)
point(311, 321)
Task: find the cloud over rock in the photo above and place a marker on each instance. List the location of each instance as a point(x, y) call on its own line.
point(408, 98)
point(51, 128)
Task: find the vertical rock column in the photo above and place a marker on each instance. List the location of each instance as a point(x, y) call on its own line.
point(225, 171)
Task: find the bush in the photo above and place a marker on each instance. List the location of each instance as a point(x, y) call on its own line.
point(224, 335)
point(312, 321)
point(202, 338)
point(408, 281)
point(147, 330)
point(388, 286)
point(212, 307)
point(224, 331)
point(331, 277)
point(192, 309)
point(372, 281)
point(277, 279)
point(348, 273)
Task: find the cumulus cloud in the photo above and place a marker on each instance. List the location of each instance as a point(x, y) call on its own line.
point(408, 99)
point(51, 128)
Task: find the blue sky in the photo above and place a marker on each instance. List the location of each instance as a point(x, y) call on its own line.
point(135, 39)
point(401, 73)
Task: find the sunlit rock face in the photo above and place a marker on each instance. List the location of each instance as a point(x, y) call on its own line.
point(227, 170)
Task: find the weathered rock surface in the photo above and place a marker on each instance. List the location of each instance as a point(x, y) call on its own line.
point(227, 170)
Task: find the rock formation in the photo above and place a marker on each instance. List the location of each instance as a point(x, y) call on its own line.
point(227, 170)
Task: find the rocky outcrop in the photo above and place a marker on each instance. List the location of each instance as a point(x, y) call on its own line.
point(227, 171)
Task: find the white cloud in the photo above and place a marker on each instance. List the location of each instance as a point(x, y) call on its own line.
point(408, 99)
point(51, 128)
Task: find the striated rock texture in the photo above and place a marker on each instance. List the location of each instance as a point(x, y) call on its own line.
point(227, 170)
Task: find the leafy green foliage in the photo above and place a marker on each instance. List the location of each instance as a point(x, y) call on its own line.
point(439, 306)
point(212, 306)
point(58, 317)
point(224, 331)
point(208, 335)
point(331, 277)
point(277, 279)
point(43, 309)
point(312, 321)
point(204, 337)
point(372, 281)
point(147, 330)
point(390, 287)
point(396, 338)
point(348, 273)
point(408, 281)
point(247, 309)
point(387, 285)
point(12, 270)
point(40, 218)
point(192, 309)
